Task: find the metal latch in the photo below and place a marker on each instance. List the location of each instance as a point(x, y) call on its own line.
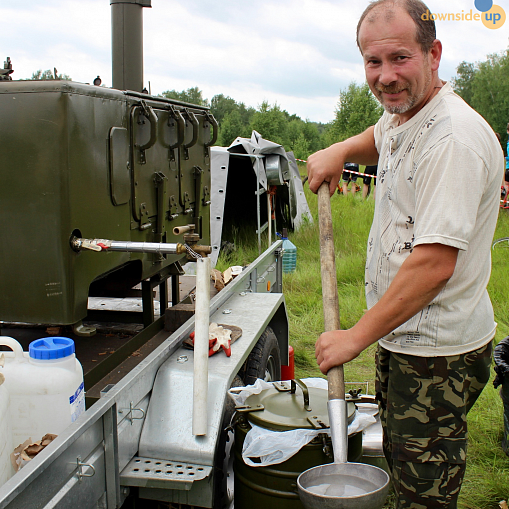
point(243, 409)
point(130, 413)
point(80, 474)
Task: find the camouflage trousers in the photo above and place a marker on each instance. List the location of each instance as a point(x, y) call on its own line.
point(424, 403)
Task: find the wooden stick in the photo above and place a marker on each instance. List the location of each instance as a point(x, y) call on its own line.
point(335, 376)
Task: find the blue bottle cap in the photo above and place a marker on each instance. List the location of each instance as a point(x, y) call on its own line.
point(51, 348)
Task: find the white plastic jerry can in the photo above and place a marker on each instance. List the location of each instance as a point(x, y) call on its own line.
point(45, 386)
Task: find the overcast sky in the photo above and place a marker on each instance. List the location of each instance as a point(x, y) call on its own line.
point(298, 53)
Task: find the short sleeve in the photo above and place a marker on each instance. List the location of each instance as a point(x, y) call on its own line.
point(449, 183)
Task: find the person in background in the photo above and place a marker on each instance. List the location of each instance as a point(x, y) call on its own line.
point(350, 177)
point(506, 175)
point(428, 254)
point(366, 187)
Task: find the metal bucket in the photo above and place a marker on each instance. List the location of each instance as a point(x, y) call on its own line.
point(372, 446)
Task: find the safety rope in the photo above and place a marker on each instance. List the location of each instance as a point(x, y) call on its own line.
point(345, 169)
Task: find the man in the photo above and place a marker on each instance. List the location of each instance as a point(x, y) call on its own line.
point(366, 181)
point(350, 177)
point(428, 256)
point(506, 174)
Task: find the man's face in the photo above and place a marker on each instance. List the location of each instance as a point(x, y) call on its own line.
point(398, 73)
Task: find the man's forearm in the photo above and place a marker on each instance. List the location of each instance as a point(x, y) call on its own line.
point(419, 280)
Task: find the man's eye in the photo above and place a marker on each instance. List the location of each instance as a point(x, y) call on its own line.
point(401, 57)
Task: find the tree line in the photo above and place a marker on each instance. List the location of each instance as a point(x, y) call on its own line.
point(356, 110)
point(235, 119)
point(485, 87)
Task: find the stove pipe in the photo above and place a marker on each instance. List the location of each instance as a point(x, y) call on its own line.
point(127, 43)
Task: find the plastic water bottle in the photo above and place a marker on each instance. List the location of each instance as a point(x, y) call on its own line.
point(45, 386)
point(289, 253)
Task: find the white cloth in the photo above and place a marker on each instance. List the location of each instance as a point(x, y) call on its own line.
point(439, 177)
point(273, 447)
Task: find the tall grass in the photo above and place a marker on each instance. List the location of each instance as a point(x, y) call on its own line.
point(487, 477)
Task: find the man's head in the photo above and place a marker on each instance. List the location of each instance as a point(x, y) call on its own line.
point(425, 28)
point(401, 56)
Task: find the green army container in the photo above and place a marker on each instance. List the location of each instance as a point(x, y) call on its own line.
point(284, 408)
point(93, 162)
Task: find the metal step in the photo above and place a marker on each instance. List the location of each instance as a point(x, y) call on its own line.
point(157, 473)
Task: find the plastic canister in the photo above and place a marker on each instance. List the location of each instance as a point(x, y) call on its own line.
point(288, 372)
point(289, 253)
point(6, 447)
point(45, 386)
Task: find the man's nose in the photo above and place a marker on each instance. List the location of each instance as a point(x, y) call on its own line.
point(388, 74)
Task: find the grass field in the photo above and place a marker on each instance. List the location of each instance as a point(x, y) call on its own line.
point(487, 478)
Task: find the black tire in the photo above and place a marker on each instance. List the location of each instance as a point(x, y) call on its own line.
point(223, 461)
point(282, 209)
point(264, 361)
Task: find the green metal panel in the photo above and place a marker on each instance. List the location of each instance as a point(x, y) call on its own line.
point(120, 175)
point(62, 174)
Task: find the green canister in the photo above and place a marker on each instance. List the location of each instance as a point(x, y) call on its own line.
point(283, 407)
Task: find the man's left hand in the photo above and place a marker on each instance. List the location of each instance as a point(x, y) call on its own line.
point(335, 348)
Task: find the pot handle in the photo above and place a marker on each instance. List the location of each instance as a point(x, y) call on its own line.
point(305, 392)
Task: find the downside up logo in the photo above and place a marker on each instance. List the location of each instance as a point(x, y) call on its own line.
point(492, 16)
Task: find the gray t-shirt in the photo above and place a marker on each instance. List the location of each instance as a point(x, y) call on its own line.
point(439, 177)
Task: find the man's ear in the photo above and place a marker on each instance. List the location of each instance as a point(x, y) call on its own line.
point(435, 54)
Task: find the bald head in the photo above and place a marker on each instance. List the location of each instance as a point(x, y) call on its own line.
point(386, 9)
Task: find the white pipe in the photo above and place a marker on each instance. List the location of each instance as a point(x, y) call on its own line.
point(201, 346)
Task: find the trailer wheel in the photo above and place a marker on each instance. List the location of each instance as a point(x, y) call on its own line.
point(264, 361)
point(223, 461)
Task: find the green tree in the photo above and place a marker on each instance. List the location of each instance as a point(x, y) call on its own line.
point(272, 123)
point(303, 137)
point(233, 118)
point(357, 110)
point(463, 82)
point(485, 86)
point(312, 134)
point(301, 147)
point(221, 105)
point(192, 95)
point(231, 127)
point(49, 75)
point(294, 130)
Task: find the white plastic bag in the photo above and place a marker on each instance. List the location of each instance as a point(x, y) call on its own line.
point(274, 447)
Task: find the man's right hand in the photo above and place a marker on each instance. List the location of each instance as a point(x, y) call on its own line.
point(325, 166)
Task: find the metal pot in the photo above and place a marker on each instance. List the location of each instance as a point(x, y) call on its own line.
point(282, 408)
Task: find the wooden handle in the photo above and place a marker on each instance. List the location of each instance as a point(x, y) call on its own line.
point(335, 376)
